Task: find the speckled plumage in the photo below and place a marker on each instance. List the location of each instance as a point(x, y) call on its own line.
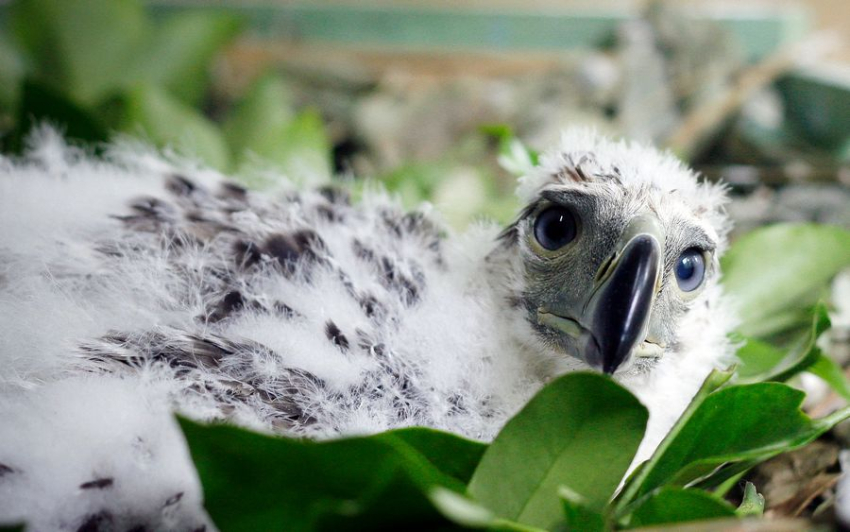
point(150, 283)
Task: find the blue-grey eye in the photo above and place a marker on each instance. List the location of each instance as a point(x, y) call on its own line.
point(555, 228)
point(690, 269)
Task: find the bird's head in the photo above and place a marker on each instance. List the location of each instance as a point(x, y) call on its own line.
point(616, 244)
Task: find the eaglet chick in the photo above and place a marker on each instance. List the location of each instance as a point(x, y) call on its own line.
point(137, 283)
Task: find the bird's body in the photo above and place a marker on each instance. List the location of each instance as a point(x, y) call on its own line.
point(135, 285)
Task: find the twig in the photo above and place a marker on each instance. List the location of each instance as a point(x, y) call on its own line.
point(703, 121)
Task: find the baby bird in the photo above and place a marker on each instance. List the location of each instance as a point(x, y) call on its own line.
point(138, 283)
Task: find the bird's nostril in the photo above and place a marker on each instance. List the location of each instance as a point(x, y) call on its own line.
point(605, 268)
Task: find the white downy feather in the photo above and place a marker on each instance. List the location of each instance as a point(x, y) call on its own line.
point(81, 281)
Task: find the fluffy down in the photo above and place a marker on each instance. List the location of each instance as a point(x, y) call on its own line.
point(137, 283)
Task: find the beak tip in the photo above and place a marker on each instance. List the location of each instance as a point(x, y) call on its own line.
point(611, 364)
point(596, 358)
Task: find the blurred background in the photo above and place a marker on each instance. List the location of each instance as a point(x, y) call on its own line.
point(446, 101)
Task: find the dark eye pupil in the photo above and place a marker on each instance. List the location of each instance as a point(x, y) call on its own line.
point(686, 268)
point(555, 228)
point(690, 269)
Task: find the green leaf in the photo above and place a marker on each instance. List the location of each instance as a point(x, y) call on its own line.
point(264, 112)
point(761, 361)
point(557, 439)
point(11, 528)
point(455, 456)
point(12, 72)
point(168, 122)
point(715, 380)
point(728, 426)
point(40, 104)
point(300, 150)
point(179, 52)
point(826, 368)
point(514, 156)
point(415, 182)
point(757, 360)
point(676, 505)
point(470, 514)
point(577, 513)
point(257, 482)
point(81, 47)
point(389, 504)
point(753, 503)
point(726, 478)
point(504, 525)
point(782, 267)
point(460, 509)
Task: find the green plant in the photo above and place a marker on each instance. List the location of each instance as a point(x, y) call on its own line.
point(100, 67)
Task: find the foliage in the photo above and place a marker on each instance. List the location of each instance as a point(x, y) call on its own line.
point(753, 502)
point(572, 443)
point(100, 67)
point(778, 271)
point(255, 482)
point(783, 331)
point(460, 182)
point(558, 440)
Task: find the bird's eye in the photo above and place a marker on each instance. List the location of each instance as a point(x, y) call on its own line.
point(690, 269)
point(555, 228)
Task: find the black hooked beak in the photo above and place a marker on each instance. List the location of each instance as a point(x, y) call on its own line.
point(617, 316)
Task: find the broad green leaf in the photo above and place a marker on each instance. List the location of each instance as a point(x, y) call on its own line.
point(804, 351)
point(460, 509)
point(40, 104)
point(81, 47)
point(753, 503)
point(11, 528)
point(715, 380)
point(782, 267)
point(258, 482)
point(676, 505)
point(826, 368)
point(394, 503)
point(467, 513)
point(168, 122)
point(178, 54)
point(790, 320)
point(727, 478)
point(757, 359)
point(300, 150)
point(728, 426)
point(581, 431)
point(577, 514)
point(761, 361)
point(455, 456)
point(264, 112)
